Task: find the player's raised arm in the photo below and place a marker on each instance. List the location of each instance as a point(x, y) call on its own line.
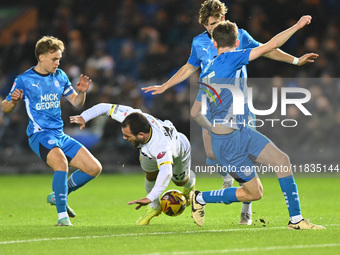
point(278, 40)
point(91, 113)
point(279, 55)
point(307, 58)
point(184, 73)
point(116, 112)
point(78, 98)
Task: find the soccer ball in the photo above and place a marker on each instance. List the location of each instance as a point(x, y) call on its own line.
point(173, 203)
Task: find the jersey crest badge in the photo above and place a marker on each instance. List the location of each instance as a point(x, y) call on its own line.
point(161, 155)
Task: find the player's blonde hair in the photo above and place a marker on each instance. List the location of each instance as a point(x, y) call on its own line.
point(48, 44)
point(225, 34)
point(211, 8)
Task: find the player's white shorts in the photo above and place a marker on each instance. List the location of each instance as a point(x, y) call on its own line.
point(181, 166)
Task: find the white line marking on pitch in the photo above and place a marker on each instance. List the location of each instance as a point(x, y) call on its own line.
point(144, 234)
point(270, 248)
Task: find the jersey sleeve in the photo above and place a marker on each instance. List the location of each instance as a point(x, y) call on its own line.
point(238, 58)
point(246, 40)
point(17, 84)
point(193, 59)
point(162, 154)
point(119, 112)
point(162, 181)
point(68, 89)
point(115, 111)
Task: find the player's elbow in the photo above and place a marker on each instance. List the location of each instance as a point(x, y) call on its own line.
point(194, 113)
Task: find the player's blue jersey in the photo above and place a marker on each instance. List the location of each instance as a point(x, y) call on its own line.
point(203, 52)
point(41, 94)
point(228, 69)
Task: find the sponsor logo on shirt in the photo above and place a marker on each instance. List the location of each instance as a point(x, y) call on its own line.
point(48, 101)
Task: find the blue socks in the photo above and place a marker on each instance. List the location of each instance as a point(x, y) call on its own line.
point(60, 189)
point(77, 180)
point(226, 196)
point(290, 192)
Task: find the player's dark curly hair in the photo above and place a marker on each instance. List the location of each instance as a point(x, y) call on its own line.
point(137, 122)
point(211, 8)
point(225, 34)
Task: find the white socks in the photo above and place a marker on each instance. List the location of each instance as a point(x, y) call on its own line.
point(62, 215)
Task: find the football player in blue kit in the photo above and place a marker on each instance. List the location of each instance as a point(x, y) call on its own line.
point(41, 87)
point(233, 142)
point(202, 53)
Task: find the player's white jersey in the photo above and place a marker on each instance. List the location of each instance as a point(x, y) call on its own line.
point(166, 151)
point(165, 144)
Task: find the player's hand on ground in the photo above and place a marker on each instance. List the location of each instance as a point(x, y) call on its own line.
point(307, 58)
point(156, 89)
point(140, 202)
point(84, 83)
point(17, 96)
point(78, 120)
point(304, 20)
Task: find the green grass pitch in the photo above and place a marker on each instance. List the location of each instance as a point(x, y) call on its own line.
point(105, 224)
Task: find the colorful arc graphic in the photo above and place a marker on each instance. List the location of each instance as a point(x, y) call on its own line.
point(208, 92)
point(215, 92)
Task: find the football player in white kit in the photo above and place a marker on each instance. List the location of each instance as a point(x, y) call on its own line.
point(164, 152)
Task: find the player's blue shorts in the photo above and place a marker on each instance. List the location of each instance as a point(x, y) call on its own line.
point(42, 142)
point(237, 151)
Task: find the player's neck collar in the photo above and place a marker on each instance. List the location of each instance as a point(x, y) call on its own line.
point(33, 68)
point(149, 136)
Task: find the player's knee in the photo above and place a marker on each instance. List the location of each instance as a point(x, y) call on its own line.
point(283, 160)
point(257, 194)
point(61, 165)
point(57, 162)
point(181, 183)
point(94, 169)
point(98, 169)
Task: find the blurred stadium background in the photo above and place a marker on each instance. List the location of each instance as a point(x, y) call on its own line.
point(124, 45)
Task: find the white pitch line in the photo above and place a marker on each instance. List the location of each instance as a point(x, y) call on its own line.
point(134, 234)
point(145, 234)
point(270, 248)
